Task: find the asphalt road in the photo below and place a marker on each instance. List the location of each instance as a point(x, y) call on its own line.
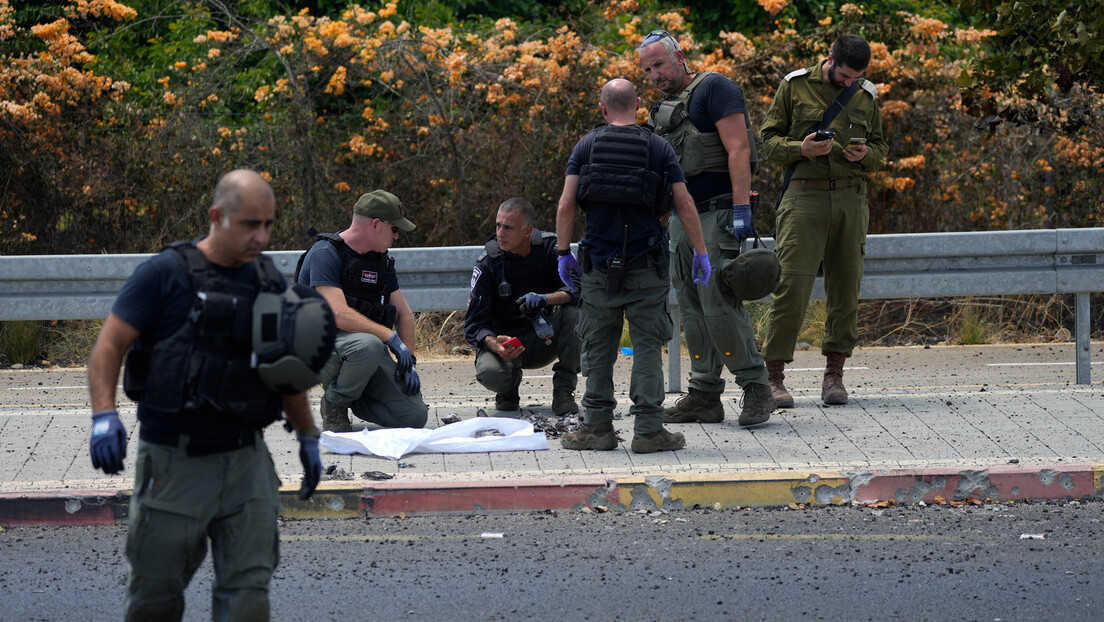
point(832, 563)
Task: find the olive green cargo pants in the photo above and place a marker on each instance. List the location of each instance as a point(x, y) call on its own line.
point(361, 374)
point(179, 503)
point(642, 300)
point(718, 333)
point(814, 226)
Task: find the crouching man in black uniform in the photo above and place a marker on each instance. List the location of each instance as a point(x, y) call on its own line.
point(516, 292)
point(209, 373)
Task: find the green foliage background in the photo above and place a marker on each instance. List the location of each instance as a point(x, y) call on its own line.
point(135, 174)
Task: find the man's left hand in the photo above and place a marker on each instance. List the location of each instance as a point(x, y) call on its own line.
point(312, 462)
point(108, 443)
point(742, 228)
point(532, 302)
point(854, 153)
point(411, 382)
point(700, 269)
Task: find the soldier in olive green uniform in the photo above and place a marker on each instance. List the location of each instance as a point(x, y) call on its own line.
point(823, 215)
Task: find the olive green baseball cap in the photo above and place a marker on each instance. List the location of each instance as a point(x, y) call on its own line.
point(385, 206)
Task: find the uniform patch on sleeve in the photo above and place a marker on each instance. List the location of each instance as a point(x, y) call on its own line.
point(475, 276)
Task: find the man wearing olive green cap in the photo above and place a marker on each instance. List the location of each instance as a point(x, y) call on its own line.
point(353, 272)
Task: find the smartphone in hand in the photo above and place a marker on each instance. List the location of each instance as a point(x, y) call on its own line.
point(511, 343)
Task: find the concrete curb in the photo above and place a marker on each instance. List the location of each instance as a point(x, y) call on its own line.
point(596, 492)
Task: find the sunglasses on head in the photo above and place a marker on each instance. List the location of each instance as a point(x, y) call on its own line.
point(654, 36)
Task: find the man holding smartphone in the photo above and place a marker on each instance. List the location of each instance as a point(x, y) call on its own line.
point(516, 300)
point(823, 214)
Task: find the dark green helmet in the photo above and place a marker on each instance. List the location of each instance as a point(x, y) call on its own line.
point(293, 337)
point(751, 276)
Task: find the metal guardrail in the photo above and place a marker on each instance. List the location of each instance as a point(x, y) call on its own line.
point(1049, 261)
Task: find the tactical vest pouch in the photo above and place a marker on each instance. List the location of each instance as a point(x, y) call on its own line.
point(217, 315)
point(700, 152)
point(382, 314)
point(136, 372)
point(168, 385)
point(621, 185)
point(668, 114)
point(615, 271)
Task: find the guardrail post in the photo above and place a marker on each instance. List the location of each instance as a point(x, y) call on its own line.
point(1084, 364)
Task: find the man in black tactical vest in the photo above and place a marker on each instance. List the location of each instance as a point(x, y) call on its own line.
point(203, 472)
point(704, 118)
point(516, 293)
point(624, 177)
point(354, 273)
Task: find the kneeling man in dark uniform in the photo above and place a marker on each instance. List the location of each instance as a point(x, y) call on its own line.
point(520, 316)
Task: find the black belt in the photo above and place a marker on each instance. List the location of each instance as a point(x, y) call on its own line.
point(828, 184)
point(197, 445)
point(722, 201)
point(637, 263)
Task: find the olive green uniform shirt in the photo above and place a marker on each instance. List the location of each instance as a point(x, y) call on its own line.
point(800, 103)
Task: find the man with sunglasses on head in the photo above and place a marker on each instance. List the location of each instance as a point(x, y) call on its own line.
point(704, 118)
point(353, 272)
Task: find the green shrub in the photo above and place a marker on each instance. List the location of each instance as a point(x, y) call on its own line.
point(21, 341)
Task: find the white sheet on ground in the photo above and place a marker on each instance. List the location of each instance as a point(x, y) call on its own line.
point(456, 438)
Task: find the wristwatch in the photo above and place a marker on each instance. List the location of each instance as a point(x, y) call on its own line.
point(563, 252)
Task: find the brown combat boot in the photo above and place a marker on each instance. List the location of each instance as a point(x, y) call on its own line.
point(657, 441)
point(832, 392)
point(599, 436)
point(334, 418)
point(695, 407)
point(781, 396)
point(563, 403)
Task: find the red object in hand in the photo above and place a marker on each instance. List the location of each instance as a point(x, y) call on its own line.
point(512, 342)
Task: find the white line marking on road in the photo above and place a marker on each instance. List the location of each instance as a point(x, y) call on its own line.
point(819, 368)
point(1036, 364)
point(45, 388)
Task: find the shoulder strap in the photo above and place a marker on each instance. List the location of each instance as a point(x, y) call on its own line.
point(838, 104)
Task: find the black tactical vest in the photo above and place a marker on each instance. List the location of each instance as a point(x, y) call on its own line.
point(201, 379)
point(618, 172)
point(365, 280)
point(526, 272)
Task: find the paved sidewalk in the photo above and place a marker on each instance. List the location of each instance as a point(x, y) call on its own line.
point(953, 424)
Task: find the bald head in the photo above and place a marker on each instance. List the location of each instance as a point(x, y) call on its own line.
point(619, 102)
point(238, 187)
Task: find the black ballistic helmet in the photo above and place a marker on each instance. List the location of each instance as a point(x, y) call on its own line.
point(293, 337)
point(752, 275)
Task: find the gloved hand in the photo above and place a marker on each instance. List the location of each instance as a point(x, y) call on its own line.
point(411, 382)
point(700, 269)
point(567, 266)
point(108, 444)
point(312, 462)
point(404, 358)
point(532, 302)
point(742, 227)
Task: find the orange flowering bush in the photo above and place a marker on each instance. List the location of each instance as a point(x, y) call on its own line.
point(129, 131)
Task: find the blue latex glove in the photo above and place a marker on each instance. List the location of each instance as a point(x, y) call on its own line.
point(411, 382)
point(567, 266)
point(742, 228)
point(108, 444)
point(700, 269)
point(532, 302)
point(404, 358)
point(312, 463)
